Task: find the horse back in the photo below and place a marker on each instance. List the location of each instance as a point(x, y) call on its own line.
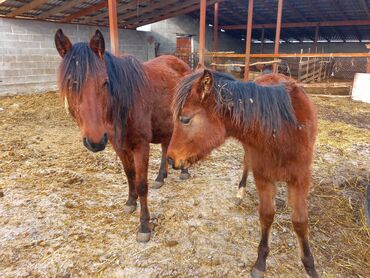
point(294, 149)
point(303, 107)
point(164, 73)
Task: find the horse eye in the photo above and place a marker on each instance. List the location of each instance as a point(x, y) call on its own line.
point(106, 83)
point(185, 120)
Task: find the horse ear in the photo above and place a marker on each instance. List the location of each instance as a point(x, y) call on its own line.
point(205, 84)
point(62, 43)
point(200, 67)
point(97, 44)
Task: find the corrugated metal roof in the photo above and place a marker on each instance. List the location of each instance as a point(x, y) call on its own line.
point(231, 12)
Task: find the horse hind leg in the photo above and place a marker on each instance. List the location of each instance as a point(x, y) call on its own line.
point(163, 170)
point(266, 192)
point(298, 201)
point(241, 188)
point(184, 175)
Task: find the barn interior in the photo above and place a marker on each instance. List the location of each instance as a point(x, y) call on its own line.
point(61, 206)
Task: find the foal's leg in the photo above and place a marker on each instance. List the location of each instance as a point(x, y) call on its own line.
point(184, 174)
point(298, 192)
point(141, 158)
point(243, 183)
point(266, 193)
point(159, 181)
point(129, 167)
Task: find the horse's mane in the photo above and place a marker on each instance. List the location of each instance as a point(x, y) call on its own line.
point(247, 103)
point(126, 80)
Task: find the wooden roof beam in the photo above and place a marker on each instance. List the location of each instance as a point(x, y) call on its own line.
point(86, 11)
point(317, 10)
point(151, 8)
point(345, 16)
point(30, 6)
point(161, 12)
point(120, 9)
point(365, 7)
point(301, 24)
point(171, 13)
point(298, 13)
point(59, 8)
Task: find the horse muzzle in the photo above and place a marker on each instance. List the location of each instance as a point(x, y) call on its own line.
point(96, 147)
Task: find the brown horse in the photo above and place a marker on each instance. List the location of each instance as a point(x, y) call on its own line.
point(124, 102)
point(277, 127)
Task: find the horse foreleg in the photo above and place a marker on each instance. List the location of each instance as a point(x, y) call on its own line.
point(159, 181)
point(141, 158)
point(243, 182)
point(129, 167)
point(298, 201)
point(266, 193)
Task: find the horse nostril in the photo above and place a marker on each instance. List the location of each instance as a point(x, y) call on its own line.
point(170, 161)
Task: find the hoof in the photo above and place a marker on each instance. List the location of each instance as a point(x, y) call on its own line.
point(257, 273)
point(143, 237)
point(157, 184)
point(184, 176)
point(237, 201)
point(130, 208)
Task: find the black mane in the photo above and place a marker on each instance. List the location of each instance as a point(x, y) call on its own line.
point(246, 102)
point(126, 80)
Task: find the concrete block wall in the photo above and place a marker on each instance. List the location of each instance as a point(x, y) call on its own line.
point(29, 60)
point(165, 33)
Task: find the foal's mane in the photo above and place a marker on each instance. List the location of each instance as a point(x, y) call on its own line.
point(127, 79)
point(247, 103)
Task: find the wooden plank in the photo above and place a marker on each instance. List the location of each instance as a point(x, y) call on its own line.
point(291, 55)
point(301, 24)
point(327, 85)
point(59, 8)
point(248, 40)
point(174, 11)
point(316, 38)
point(262, 40)
point(113, 26)
point(86, 11)
point(202, 30)
point(215, 27)
point(278, 29)
point(30, 6)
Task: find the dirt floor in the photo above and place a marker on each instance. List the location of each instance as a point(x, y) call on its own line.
point(61, 206)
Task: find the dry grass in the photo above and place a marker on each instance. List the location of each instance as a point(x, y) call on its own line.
point(62, 209)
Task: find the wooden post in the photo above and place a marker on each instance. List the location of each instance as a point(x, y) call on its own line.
point(215, 33)
point(278, 29)
point(316, 37)
point(368, 60)
point(262, 40)
point(215, 28)
point(248, 40)
point(202, 30)
point(113, 27)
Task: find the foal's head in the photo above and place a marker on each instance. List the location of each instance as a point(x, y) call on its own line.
point(198, 129)
point(83, 83)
